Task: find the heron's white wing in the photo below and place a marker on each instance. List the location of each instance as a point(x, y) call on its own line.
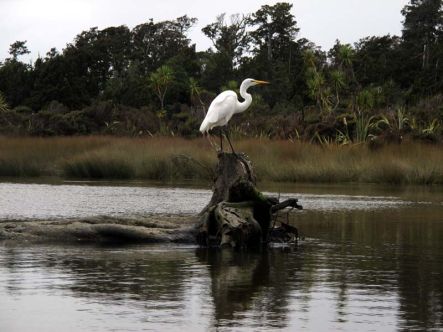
point(221, 107)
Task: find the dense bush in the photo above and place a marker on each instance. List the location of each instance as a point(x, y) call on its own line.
point(151, 81)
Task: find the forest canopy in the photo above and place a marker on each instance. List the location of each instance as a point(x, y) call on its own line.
point(150, 80)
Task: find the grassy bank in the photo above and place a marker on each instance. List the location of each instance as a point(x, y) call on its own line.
point(178, 159)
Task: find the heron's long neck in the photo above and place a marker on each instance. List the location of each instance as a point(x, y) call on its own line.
point(242, 106)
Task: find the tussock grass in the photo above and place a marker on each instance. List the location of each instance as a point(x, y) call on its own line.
point(99, 166)
point(153, 159)
point(30, 157)
point(166, 159)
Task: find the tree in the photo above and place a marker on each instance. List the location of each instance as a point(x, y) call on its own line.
point(160, 81)
point(275, 30)
point(422, 26)
point(342, 58)
point(338, 82)
point(376, 59)
point(155, 43)
point(422, 46)
point(316, 82)
point(230, 44)
point(100, 55)
point(18, 48)
point(115, 46)
point(229, 40)
point(277, 55)
point(63, 77)
point(15, 81)
point(52, 53)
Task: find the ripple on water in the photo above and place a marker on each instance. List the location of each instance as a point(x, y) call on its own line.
point(42, 201)
point(37, 201)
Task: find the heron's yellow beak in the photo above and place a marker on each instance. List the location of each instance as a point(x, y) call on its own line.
point(261, 82)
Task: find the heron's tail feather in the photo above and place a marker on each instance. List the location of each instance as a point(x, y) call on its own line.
point(204, 127)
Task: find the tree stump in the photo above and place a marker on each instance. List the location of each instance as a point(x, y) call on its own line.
point(238, 215)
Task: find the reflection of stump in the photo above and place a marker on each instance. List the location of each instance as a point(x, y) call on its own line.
point(238, 215)
point(237, 279)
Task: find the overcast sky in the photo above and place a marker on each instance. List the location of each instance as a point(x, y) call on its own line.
point(54, 23)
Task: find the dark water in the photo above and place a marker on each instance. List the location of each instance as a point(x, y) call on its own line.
point(371, 260)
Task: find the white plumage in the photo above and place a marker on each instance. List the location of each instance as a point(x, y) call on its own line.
point(226, 104)
point(220, 111)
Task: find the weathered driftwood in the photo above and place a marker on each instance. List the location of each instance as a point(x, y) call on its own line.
point(238, 215)
point(149, 229)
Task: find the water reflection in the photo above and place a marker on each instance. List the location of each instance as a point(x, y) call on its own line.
point(398, 251)
point(358, 269)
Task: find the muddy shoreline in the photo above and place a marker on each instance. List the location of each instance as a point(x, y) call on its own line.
point(149, 229)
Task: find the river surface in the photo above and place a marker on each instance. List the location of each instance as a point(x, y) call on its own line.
point(371, 260)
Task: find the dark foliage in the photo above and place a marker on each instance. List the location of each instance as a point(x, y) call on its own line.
point(151, 80)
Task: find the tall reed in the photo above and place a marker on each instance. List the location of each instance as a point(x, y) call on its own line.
point(167, 159)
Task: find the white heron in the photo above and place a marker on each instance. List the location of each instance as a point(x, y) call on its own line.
point(224, 106)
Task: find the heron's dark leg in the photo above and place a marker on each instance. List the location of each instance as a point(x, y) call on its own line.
point(229, 141)
point(221, 139)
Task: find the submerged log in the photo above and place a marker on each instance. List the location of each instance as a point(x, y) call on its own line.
point(143, 229)
point(238, 215)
